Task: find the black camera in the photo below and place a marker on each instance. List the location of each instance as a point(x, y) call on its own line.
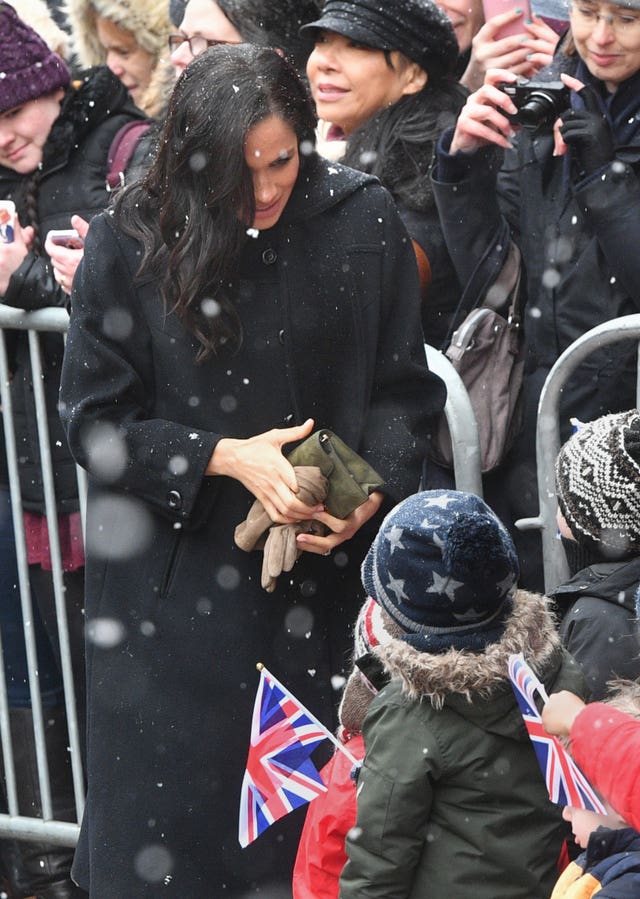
point(539, 103)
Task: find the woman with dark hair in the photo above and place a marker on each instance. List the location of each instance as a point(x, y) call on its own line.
point(381, 77)
point(244, 286)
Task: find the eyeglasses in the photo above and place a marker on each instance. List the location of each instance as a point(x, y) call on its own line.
point(197, 44)
point(619, 22)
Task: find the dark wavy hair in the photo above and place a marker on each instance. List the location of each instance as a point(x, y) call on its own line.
point(398, 143)
point(185, 212)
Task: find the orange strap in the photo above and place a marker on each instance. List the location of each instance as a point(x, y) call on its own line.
point(424, 268)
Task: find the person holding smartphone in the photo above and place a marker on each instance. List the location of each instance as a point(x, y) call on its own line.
point(567, 192)
point(502, 34)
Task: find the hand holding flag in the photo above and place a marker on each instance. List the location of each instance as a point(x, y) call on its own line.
point(566, 784)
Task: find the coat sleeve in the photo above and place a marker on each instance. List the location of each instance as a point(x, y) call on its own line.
point(321, 854)
point(32, 285)
point(405, 395)
point(606, 745)
point(610, 205)
point(477, 201)
point(394, 797)
point(107, 390)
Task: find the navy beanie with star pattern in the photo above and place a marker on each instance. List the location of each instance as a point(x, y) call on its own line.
point(445, 569)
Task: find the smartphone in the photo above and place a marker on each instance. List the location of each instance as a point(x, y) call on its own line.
point(495, 7)
point(7, 221)
point(69, 239)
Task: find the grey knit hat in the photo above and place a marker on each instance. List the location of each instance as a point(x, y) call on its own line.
point(445, 568)
point(28, 68)
point(598, 483)
point(418, 28)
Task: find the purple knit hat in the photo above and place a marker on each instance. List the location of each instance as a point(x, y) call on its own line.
point(28, 68)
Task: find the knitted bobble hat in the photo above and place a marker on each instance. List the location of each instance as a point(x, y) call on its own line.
point(28, 68)
point(147, 20)
point(444, 567)
point(418, 28)
point(598, 484)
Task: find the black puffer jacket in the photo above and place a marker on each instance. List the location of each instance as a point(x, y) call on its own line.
point(599, 625)
point(74, 169)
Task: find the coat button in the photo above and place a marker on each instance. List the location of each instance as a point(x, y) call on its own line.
point(269, 256)
point(174, 499)
point(281, 337)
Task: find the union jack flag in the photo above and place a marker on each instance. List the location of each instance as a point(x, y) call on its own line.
point(280, 775)
point(566, 783)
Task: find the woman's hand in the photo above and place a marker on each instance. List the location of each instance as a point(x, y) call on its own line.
point(342, 529)
point(12, 254)
point(64, 260)
point(521, 54)
point(258, 463)
point(559, 146)
point(560, 711)
point(483, 119)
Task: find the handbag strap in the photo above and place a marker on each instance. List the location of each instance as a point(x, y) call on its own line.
point(497, 273)
point(122, 149)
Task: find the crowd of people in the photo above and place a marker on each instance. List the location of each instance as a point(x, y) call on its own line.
point(257, 212)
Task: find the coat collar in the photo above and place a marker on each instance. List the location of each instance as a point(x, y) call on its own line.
point(613, 582)
point(321, 184)
point(529, 629)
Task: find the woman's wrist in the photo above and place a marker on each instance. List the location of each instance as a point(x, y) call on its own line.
point(222, 457)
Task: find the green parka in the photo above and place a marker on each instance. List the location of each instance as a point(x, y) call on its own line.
point(451, 801)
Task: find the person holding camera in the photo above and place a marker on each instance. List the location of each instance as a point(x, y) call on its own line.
point(554, 166)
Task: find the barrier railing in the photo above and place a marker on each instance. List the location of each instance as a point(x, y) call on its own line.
point(548, 437)
point(13, 823)
point(462, 424)
point(466, 451)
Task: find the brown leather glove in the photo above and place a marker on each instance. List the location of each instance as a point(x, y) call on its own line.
point(251, 533)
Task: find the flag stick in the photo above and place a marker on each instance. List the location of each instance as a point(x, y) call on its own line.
point(330, 736)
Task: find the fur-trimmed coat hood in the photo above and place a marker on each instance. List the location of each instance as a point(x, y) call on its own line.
point(459, 677)
point(529, 629)
point(147, 20)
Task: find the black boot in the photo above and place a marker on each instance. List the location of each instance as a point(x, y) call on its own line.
point(41, 870)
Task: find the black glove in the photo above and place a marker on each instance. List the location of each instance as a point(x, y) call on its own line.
point(588, 133)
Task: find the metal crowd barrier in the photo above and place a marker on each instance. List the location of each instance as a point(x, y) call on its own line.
point(467, 473)
point(548, 436)
point(13, 823)
point(462, 424)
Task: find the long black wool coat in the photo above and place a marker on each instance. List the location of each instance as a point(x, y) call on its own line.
point(177, 619)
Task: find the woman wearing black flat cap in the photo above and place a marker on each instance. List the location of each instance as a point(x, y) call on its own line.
point(381, 77)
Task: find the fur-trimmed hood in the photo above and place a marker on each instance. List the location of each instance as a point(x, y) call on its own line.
point(530, 629)
point(147, 20)
point(155, 100)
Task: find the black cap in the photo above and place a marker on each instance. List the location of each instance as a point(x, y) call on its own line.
point(417, 28)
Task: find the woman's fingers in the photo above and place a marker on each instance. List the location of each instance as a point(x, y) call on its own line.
point(340, 529)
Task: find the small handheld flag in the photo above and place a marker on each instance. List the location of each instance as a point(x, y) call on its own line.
point(279, 775)
point(566, 783)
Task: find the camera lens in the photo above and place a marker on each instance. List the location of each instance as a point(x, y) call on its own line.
point(540, 109)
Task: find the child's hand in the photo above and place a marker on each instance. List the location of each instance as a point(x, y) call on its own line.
point(560, 711)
